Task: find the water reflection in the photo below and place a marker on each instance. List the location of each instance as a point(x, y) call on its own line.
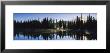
point(65, 35)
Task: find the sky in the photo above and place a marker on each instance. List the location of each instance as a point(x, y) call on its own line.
point(58, 16)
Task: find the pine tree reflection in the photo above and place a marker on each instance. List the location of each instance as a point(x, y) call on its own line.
point(57, 36)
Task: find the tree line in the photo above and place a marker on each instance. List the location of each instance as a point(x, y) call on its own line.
point(49, 23)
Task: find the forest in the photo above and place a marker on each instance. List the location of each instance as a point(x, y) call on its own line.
point(46, 23)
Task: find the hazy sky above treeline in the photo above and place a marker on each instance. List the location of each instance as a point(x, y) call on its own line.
point(58, 16)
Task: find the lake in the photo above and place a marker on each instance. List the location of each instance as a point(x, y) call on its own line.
point(59, 35)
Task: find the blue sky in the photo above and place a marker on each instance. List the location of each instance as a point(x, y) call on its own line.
point(58, 16)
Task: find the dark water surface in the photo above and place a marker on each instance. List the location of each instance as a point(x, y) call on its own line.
point(60, 35)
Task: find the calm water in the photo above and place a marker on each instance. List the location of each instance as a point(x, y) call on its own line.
point(65, 35)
